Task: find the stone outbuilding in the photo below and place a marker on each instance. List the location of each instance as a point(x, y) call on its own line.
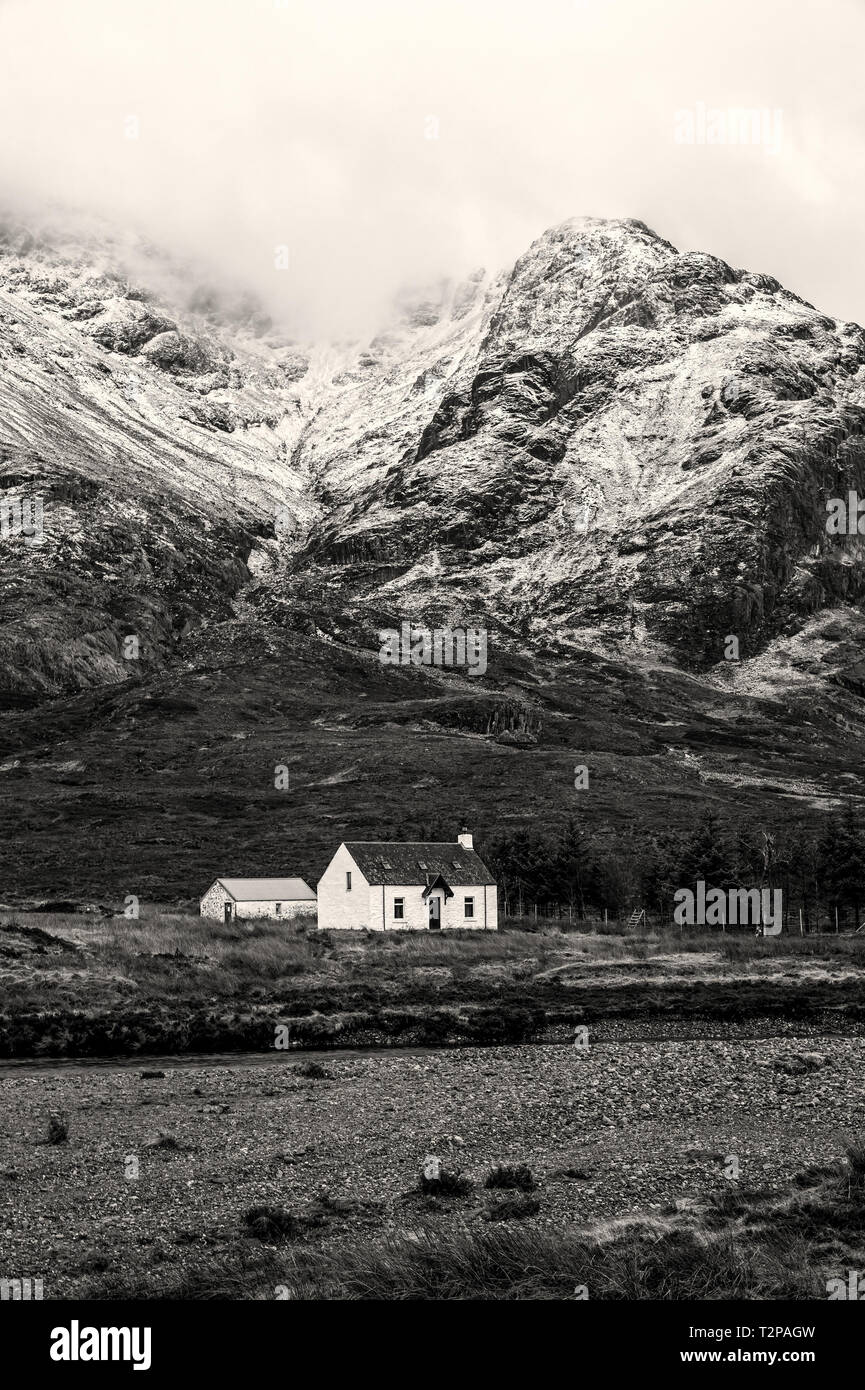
point(231, 899)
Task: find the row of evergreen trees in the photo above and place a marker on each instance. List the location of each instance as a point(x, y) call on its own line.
point(820, 872)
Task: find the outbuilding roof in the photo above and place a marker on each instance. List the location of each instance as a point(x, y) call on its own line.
point(414, 862)
point(257, 890)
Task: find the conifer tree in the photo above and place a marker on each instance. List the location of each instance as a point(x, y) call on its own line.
point(848, 863)
point(707, 855)
point(574, 865)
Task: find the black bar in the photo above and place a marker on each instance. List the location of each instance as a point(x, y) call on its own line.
point(612, 1338)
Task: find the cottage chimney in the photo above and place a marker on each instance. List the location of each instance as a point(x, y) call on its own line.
point(465, 838)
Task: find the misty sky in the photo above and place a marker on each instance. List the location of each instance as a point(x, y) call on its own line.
point(389, 141)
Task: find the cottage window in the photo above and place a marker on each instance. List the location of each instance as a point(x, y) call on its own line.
point(348, 881)
point(469, 907)
point(278, 908)
point(399, 909)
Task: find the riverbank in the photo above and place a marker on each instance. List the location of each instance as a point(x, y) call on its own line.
point(605, 1032)
point(173, 985)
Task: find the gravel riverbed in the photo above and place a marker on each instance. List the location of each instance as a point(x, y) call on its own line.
point(640, 1125)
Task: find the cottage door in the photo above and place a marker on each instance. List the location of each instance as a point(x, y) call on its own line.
point(435, 914)
point(228, 912)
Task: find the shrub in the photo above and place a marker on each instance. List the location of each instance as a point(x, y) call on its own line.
point(314, 1071)
point(445, 1185)
point(163, 1141)
point(520, 1177)
point(58, 1129)
point(854, 1169)
point(272, 1223)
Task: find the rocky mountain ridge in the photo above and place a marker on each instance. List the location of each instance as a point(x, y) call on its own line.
point(614, 446)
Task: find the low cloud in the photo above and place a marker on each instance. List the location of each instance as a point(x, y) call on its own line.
point(391, 141)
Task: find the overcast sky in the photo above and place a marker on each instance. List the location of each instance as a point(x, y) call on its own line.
point(386, 141)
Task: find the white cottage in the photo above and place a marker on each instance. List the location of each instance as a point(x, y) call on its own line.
point(407, 887)
point(230, 899)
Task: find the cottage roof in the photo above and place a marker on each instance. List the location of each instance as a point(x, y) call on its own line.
point(249, 890)
point(419, 862)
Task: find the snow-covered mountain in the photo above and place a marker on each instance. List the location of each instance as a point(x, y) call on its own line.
point(612, 446)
